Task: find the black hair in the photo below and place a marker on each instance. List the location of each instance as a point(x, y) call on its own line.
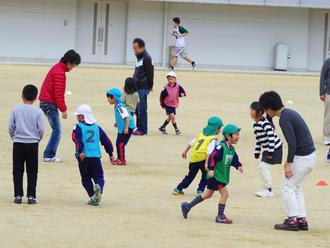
point(271, 100)
point(256, 107)
point(140, 42)
point(71, 57)
point(130, 86)
point(109, 96)
point(30, 92)
point(176, 20)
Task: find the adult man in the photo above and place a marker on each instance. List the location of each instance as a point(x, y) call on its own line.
point(52, 99)
point(144, 80)
point(325, 97)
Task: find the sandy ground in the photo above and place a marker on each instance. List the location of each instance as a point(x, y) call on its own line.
point(138, 209)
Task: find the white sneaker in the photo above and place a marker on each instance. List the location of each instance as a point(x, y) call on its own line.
point(265, 193)
point(53, 160)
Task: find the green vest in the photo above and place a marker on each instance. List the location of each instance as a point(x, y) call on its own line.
point(222, 168)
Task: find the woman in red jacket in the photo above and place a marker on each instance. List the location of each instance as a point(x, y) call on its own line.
point(52, 99)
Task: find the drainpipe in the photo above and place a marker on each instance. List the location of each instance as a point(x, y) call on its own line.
point(165, 34)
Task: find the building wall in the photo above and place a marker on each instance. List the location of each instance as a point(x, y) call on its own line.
point(36, 28)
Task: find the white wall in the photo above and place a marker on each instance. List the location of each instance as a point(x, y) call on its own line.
point(145, 20)
point(242, 36)
point(35, 28)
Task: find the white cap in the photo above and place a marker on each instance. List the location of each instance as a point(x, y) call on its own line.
point(171, 74)
point(87, 112)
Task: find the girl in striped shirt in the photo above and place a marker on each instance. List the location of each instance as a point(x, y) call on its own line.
point(266, 140)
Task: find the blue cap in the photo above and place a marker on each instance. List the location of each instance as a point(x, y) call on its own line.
point(116, 94)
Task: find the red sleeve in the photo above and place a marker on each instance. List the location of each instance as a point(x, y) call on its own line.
point(59, 85)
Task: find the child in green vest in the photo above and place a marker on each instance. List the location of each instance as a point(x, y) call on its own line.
point(219, 163)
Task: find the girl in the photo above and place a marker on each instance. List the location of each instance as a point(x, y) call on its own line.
point(272, 148)
point(130, 97)
point(169, 100)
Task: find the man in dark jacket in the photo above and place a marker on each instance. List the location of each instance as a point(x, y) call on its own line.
point(144, 80)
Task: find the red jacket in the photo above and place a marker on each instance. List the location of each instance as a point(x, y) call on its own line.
point(53, 87)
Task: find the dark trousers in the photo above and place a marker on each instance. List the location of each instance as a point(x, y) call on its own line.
point(122, 140)
point(141, 111)
point(91, 171)
point(25, 154)
point(193, 170)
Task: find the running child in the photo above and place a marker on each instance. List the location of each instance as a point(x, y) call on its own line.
point(271, 145)
point(87, 136)
point(202, 146)
point(179, 33)
point(300, 161)
point(169, 100)
point(130, 96)
point(26, 129)
point(124, 123)
point(219, 163)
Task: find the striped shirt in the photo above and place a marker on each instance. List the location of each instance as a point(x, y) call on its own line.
point(265, 136)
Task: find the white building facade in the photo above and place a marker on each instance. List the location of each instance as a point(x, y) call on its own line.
point(222, 33)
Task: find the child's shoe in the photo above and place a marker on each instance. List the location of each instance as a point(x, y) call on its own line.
point(176, 191)
point(97, 193)
point(185, 209)
point(288, 225)
point(265, 193)
point(223, 220)
point(199, 192)
point(177, 131)
point(328, 157)
point(194, 66)
point(138, 132)
point(53, 160)
point(163, 130)
point(119, 162)
point(92, 202)
point(18, 200)
point(303, 224)
point(32, 200)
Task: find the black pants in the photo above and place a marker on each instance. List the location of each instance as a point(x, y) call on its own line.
point(193, 170)
point(25, 154)
point(122, 140)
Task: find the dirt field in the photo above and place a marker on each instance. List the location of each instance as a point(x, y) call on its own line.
point(138, 209)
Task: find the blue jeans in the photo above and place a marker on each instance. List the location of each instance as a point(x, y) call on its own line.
point(141, 111)
point(52, 114)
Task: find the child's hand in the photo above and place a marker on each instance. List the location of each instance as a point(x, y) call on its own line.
point(210, 173)
point(240, 169)
point(184, 155)
point(82, 156)
point(126, 131)
point(256, 155)
point(288, 170)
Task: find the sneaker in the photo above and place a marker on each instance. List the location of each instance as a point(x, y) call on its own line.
point(194, 66)
point(176, 191)
point(119, 162)
point(199, 192)
point(18, 200)
point(163, 130)
point(223, 220)
point(328, 157)
point(92, 202)
point(185, 209)
point(288, 225)
point(265, 193)
point(32, 200)
point(97, 193)
point(171, 68)
point(303, 224)
point(177, 131)
point(53, 160)
point(138, 132)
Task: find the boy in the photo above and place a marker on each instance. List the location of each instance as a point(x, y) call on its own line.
point(300, 162)
point(179, 33)
point(169, 100)
point(87, 136)
point(124, 123)
point(202, 146)
point(26, 129)
point(219, 163)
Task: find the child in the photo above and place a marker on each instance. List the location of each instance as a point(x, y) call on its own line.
point(130, 97)
point(271, 144)
point(26, 129)
point(202, 146)
point(179, 33)
point(124, 122)
point(219, 164)
point(87, 136)
point(169, 100)
point(300, 161)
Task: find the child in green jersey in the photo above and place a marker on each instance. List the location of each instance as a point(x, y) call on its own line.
point(222, 158)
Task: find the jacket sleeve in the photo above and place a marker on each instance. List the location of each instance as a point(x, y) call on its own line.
point(182, 92)
point(149, 70)
point(106, 142)
point(236, 163)
point(257, 149)
point(59, 82)
point(215, 156)
point(271, 138)
point(290, 137)
point(77, 139)
point(11, 124)
point(162, 97)
point(323, 77)
point(41, 125)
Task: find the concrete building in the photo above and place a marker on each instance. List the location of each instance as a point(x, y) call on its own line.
point(223, 33)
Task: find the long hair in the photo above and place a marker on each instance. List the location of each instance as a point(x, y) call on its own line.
point(129, 86)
